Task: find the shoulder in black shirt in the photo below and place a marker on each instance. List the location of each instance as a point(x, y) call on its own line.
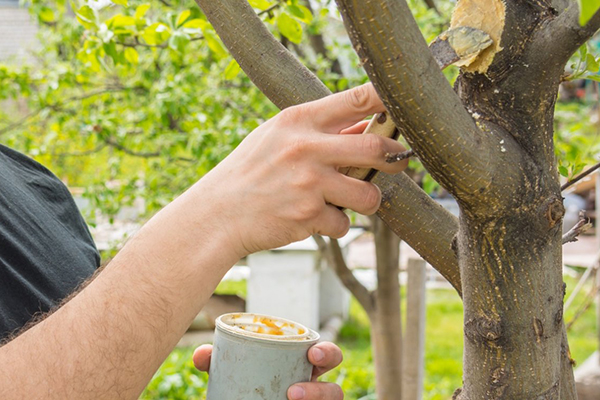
point(46, 249)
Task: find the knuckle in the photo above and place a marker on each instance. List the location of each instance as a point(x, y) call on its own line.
point(373, 144)
point(371, 198)
point(308, 210)
point(343, 225)
point(291, 114)
point(360, 97)
point(295, 149)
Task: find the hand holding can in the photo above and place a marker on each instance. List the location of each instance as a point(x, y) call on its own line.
point(258, 357)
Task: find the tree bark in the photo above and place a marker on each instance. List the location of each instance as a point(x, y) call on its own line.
point(386, 325)
point(494, 155)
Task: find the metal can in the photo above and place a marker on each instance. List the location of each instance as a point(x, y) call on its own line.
point(258, 357)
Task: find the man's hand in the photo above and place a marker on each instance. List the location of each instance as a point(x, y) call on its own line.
point(282, 183)
point(324, 356)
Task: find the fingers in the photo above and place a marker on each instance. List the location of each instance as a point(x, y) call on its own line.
point(332, 222)
point(201, 357)
point(324, 356)
point(341, 110)
point(362, 151)
point(356, 129)
point(315, 391)
point(343, 191)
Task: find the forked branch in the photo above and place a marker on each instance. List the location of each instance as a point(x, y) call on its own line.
point(428, 112)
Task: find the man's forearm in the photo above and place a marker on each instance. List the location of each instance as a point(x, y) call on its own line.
point(109, 339)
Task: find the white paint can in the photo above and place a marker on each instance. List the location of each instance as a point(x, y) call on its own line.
point(258, 357)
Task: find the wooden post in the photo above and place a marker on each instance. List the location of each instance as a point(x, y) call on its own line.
point(598, 263)
point(598, 304)
point(414, 340)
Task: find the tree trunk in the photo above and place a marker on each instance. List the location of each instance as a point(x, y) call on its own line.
point(512, 291)
point(489, 144)
point(386, 325)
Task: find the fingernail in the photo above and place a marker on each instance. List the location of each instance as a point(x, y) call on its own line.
point(318, 354)
point(297, 393)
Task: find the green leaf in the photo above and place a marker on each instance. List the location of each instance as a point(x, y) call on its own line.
point(178, 41)
point(120, 20)
point(563, 171)
point(587, 9)
point(232, 70)
point(301, 13)
point(111, 51)
point(593, 77)
point(120, 2)
point(87, 17)
point(215, 45)
point(289, 27)
point(132, 55)
point(47, 14)
point(183, 17)
point(141, 10)
point(195, 24)
point(260, 4)
point(592, 64)
point(156, 34)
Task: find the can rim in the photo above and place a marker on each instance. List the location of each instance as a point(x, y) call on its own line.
point(224, 323)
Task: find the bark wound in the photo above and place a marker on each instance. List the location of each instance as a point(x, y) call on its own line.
point(457, 394)
point(554, 212)
point(538, 328)
point(487, 16)
point(498, 379)
point(484, 330)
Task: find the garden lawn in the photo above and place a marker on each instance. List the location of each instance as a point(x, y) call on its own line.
point(177, 379)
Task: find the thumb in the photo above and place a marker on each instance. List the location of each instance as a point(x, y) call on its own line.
point(202, 356)
point(342, 110)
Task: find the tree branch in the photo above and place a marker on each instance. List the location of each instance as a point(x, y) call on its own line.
point(58, 106)
point(276, 72)
point(421, 222)
point(431, 5)
point(394, 53)
point(582, 225)
point(113, 143)
point(335, 258)
point(579, 177)
point(562, 36)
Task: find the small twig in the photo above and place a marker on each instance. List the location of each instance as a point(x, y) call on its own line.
point(81, 153)
point(583, 308)
point(335, 258)
point(392, 158)
point(268, 10)
point(579, 177)
point(58, 106)
point(582, 225)
point(112, 143)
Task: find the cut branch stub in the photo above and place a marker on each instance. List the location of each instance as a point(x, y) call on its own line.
point(461, 46)
point(485, 15)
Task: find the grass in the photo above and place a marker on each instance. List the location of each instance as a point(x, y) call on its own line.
point(177, 378)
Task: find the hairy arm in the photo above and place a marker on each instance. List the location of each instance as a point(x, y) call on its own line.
point(280, 185)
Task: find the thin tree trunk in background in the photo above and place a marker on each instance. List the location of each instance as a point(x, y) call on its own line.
point(414, 337)
point(386, 325)
point(318, 44)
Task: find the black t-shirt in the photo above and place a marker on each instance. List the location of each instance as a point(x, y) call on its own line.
point(46, 249)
